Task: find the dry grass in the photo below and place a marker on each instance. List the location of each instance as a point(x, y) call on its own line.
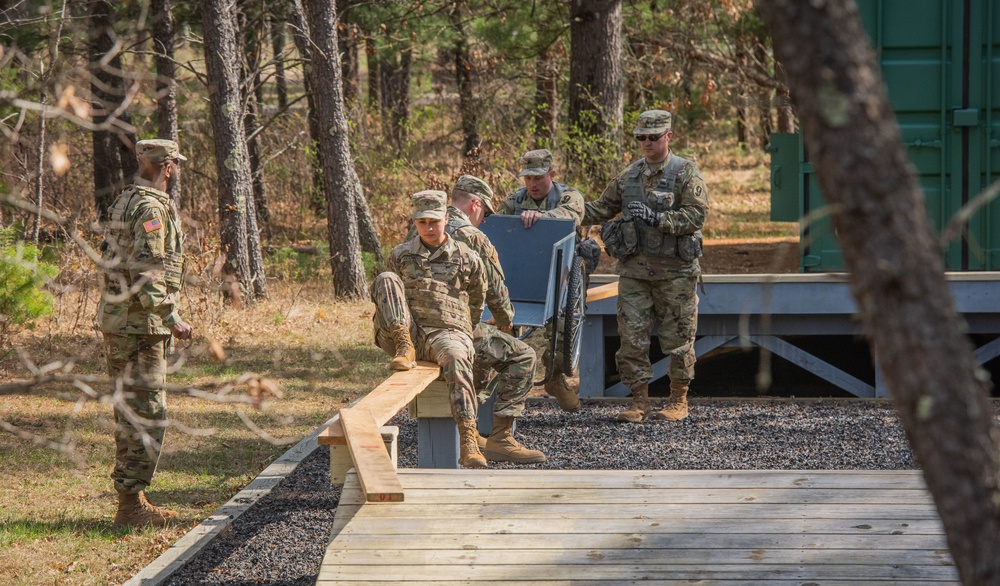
point(56, 513)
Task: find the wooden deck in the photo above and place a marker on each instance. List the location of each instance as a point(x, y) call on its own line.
point(615, 527)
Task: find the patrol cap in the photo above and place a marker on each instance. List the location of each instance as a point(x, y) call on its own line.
point(652, 122)
point(537, 162)
point(479, 188)
point(157, 150)
point(430, 204)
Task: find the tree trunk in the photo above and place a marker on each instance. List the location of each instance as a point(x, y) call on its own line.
point(374, 74)
point(278, 50)
point(742, 106)
point(252, 93)
point(763, 98)
point(546, 106)
point(783, 102)
point(347, 44)
point(395, 92)
point(114, 148)
point(595, 73)
point(239, 238)
point(342, 187)
point(463, 78)
point(300, 34)
point(897, 273)
point(166, 82)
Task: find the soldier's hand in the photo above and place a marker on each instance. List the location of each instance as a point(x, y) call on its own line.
point(529, 217)
point(641, 211)
point(507, 328)
point(182, 330)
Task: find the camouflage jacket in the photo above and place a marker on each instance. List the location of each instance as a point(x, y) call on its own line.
point(445, 288)
point(143, 264)
point(570, 204)
point(690, 216)
point(497, 296)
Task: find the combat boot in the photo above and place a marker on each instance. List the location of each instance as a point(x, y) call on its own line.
point(406, 354)
point(677, 406)
point(469, 454)
point(502, 447)
point(640, 409)
point(558, 387)
point(135, 511)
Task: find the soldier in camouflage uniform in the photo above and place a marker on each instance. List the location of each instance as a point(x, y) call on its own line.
point(657, 242)
point(142, 274)
point(541, 197)
point(426, 306)
point(496, 349)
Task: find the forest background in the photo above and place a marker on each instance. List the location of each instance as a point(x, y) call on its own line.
point(428, 90)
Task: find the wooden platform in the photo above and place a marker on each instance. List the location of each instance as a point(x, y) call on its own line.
point(615, 527)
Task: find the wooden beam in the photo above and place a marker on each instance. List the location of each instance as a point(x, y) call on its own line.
point(378, 478)
point(387, 399)
point(602, 292)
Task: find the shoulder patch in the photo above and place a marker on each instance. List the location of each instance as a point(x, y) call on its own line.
point(565, 199)
point(154, 224)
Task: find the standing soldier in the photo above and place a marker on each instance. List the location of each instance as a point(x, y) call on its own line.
point(426, 306)
point(496, 349)
point(142, 269)
point(542, 197)
point(657, 242)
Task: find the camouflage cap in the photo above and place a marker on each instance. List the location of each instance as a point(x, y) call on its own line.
point(157, 150)
point(652, 122)
point(430, 204)
point(538, 162)
point(479, 188)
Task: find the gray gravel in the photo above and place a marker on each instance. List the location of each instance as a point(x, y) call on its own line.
point(281, 540)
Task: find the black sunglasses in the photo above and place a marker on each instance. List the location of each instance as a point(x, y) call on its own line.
point(649, 137)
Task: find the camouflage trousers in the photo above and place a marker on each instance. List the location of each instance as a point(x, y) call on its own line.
point(674, 301)
point(512, 360)
point(138, 367)
point(451, 349)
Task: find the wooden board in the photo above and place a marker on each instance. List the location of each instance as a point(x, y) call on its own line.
point(375, 471)
point(602, 292)
point(387, 399)
point(629, 527)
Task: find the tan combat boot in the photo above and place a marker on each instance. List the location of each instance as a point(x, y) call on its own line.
point(502, 447)
point(406, 354)
point(558, 387)
point(135, 511)
point(469, 454)
point(640, 409)
point(677, 406)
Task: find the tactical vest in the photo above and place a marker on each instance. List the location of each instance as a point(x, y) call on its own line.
point(552, 200)
point(120, 240)
point(457, 223)
point(438, 304)
point(661, 198)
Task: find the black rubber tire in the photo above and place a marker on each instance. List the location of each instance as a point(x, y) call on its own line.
point(573, 316)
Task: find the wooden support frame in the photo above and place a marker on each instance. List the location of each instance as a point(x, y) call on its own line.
point(340, 456)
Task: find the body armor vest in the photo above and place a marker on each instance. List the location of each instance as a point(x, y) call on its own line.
point(120, 241)
point(552, 200)
point(661, 198)
point(440, 304)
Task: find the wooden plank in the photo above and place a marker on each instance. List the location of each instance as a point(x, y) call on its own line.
point(387, 399)
point(602, 292)
point(374, 467)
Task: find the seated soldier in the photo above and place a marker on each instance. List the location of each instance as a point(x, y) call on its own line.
point(426, 306)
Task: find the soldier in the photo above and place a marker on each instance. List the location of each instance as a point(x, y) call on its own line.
point(496, 349)
point(542, 197)
point(657, 242)
point(426, 306)
point(142, 272)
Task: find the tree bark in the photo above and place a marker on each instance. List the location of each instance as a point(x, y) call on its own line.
point(546, 105)
point(463, 78)
point(166, 82)
point(239, 237)
point(763, 98)
point(897, 273)
point(783, 102)
point(395, 93)
point(300, 34)
point(278, 50)
point(251, 50)
point(342, 187)
point(595, 74)
point(374, 74)
point(347, 44)
point(114, 148)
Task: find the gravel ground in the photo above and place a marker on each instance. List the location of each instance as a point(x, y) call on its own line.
point(281, 540)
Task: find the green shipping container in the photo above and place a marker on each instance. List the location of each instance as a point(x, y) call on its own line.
point(940, 61)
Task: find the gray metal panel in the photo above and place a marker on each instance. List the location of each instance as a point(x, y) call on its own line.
point(437, 442)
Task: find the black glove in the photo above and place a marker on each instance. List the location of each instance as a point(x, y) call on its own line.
point(642, 212)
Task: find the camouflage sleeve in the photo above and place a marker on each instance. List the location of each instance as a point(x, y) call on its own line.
point(694, 204)
point(608, 205)
point(147, 267)
point(476, 289)
point(570, 207)
point(497, 296)
point(507, 206)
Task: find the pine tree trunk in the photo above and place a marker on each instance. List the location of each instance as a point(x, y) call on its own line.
point(763, 100)
point(463, 78)
point(595, 74)
point(114, 149)
point(278, 50)
point(374, 75)
point(546, 106)
point(347, 43)
point(395, 93)
point(252, 92)
point(300, 34)
point(239, 238)
point(166, 83)
point(897, 273)
point(342, 187)
point(783, 103)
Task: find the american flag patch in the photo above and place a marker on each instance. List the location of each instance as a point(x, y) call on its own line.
point(153, 224)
